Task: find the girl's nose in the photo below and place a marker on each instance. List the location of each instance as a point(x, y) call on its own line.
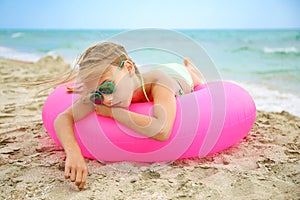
point(107, 99)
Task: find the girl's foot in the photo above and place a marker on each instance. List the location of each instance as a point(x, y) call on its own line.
point(194, 72)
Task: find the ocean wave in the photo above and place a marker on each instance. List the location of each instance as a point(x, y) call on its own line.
point(10, 53)
point(16, 35)
point(281, 50)
point(272, 100)
point(243, 48)
point(273, 71)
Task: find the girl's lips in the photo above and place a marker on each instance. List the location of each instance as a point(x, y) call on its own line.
point(116, 104)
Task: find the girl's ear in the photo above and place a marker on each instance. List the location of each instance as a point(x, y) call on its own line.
point(130, 67)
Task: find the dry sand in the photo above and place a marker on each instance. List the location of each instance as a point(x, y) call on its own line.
point(264, 165)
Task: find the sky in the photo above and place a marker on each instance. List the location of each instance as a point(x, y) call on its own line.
point(132, 14)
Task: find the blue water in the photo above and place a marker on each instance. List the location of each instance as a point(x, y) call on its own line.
point(265, 62)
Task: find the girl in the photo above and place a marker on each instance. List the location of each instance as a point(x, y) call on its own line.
point(108, 82)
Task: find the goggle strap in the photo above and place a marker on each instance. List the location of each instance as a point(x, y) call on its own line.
point(119, 68)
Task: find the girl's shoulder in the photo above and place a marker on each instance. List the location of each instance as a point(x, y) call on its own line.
point(157, 78)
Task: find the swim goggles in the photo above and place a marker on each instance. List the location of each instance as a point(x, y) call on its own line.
point(107, 87)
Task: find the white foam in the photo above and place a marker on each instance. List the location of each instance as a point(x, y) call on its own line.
point(53, 54)
point(271, 100)
point(16, 35)
point(6, 52)
point(281, 50)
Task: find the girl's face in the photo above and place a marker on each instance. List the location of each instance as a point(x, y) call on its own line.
point(122, 79)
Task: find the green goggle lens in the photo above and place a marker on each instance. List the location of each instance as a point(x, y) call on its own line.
point(96, 98)
point(107, 88)
point(104, 88)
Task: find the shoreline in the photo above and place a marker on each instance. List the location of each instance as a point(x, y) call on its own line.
point(264, 165)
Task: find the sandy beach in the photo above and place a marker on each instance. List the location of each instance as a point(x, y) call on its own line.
point(264, 165)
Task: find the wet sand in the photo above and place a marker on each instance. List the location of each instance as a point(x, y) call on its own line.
point(264, 165)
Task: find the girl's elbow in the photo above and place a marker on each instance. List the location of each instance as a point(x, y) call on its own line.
point(58, 120)
point(162, 136)
point(61, 118)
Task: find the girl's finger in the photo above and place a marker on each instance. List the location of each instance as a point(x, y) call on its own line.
point(83, 181)
point(78, 177)
point(67, 172)
point(73, 174)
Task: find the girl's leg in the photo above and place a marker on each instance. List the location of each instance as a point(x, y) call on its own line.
point(194, 72)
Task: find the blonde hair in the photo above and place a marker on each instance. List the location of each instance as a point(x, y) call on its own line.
point(91, 64)
point(95, 60)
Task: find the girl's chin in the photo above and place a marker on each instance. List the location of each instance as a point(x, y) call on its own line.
point(126, 104)
point(121, 104)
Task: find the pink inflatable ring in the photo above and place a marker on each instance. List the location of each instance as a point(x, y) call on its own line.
point(212, 118)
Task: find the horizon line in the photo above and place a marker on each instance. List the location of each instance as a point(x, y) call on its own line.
point(122, 29)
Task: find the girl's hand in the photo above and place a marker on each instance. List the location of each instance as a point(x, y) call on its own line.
point(76, 169)
point(103, 110)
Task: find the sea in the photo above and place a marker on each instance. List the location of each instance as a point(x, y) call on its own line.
point(265, 62)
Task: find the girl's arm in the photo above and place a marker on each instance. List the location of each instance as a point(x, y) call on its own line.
point(75, 166)
point(158, 126)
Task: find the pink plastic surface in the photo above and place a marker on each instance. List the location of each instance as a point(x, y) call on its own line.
point(214, 117)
